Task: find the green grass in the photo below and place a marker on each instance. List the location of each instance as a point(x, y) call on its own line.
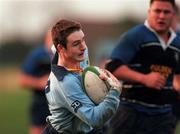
point(178, 129)
point(14, 112)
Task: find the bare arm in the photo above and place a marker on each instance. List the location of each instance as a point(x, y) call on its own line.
point(152, 80)
point(176, 83)
point(29, 81)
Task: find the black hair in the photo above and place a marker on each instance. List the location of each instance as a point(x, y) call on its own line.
point(170, 1)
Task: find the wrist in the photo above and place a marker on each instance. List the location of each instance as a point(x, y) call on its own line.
point(142, 78)
point(114, 92)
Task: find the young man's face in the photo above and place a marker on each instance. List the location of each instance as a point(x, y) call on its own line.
point(160, 16)
point(75, 47)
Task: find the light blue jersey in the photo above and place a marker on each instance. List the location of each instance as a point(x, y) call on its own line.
point(71, 109)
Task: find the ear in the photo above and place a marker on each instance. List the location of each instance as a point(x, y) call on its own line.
point(59, 47)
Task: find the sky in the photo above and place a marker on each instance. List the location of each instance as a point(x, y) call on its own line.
point(28, 18)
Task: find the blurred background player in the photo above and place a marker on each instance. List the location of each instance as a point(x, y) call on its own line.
point(33, 76)
point(147, 59)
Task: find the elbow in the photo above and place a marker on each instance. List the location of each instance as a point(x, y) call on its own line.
point(176, 86)
point(99, 120)
point(22, 80)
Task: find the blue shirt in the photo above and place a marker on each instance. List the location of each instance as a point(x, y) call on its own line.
point(142, 50)
point(37, 64)
point(72, 110)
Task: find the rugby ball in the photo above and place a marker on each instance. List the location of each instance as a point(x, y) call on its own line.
point(94, 87)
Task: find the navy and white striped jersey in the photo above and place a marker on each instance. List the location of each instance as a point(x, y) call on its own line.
point(144, 51)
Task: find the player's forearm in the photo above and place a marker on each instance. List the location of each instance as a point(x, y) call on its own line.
point(98, 115)
point(176, 83)
point(31, 82)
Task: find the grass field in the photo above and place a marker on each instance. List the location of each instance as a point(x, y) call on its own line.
point(178, 129)
point(14, 110)
point(14, 104)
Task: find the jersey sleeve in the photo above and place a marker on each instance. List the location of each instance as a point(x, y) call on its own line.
point(30, 64)
point(126, 48)
point(80, 104)
point(37, 63)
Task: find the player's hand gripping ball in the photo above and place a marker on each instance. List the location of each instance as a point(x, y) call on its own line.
point(97, 88)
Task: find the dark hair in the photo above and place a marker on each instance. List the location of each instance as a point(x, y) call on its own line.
point(170, 1)
point(62, 29)
point(177, 10)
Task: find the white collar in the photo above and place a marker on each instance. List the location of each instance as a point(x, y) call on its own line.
point(162, 42)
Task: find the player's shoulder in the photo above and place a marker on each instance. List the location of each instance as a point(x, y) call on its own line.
point(39, 50)
point(62, 74)
point(40, 53)
point(176, 41)
point(59, 72)
point(136, 31)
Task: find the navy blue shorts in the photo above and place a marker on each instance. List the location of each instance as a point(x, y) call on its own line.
point(176, 111)
point(38, 113)
point(130, 121)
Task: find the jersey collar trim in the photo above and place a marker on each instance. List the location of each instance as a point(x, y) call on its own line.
point(59, 71)
point(163, 44)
